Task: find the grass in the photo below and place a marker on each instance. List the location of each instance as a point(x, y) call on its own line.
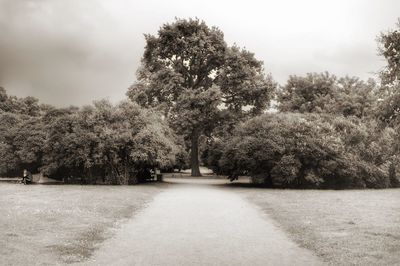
point(351, 227)
point(59, 224)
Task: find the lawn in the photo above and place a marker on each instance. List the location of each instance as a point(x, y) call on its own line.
point(348, 227)
point(58, 224)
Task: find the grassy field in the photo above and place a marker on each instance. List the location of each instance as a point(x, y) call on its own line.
point(352, 227)
point(58, 224)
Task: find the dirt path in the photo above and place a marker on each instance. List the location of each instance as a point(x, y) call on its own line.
point(201, 225)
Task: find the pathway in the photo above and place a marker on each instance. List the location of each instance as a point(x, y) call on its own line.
point(201, 225)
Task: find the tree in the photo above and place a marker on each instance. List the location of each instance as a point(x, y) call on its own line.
point(9, 160)
point(307, 94)
point(389, 107)
point(390, 50)
point(325, 93)
point(21, 134)
point(190, 73)
point(25, 106)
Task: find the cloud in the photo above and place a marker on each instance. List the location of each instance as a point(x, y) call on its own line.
point(72, 52)
point(64, 54)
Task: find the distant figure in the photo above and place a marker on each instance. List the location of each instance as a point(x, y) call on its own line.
point(159, 176)
point(233, 177)
point(27, 177)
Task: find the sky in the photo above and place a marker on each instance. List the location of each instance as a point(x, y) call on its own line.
point(71, 52)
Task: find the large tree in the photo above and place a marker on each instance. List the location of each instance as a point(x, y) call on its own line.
point(191, 74)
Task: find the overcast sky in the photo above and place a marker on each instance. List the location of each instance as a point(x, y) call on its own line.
point(73, 51)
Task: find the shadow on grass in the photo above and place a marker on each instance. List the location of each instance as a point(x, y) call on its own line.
point(81, 249)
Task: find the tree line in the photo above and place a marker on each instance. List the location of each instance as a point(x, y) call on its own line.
point(99, 143)
point(329, 132)
point(198, 100)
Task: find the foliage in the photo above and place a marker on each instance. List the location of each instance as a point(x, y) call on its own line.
point(325, 93)
point(307, 150)
point(390, 50)
point(21, 134)
point(115, 143)
point(96, 143)
point(8, 158)
point(25, 106)
point(388, 110)
point(21, 140)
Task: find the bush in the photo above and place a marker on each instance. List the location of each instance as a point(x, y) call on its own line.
point(100, 143)
point(107, 144)
point(307, 151)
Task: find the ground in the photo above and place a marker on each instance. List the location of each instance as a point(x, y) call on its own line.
point(343, 227)
point(62, 224)
point(191, 224)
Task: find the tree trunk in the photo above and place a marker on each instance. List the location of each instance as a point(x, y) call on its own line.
point(194, 156)
point(134, 179)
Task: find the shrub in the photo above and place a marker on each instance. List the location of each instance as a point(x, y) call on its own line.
point(307, 151)
point(107, 144)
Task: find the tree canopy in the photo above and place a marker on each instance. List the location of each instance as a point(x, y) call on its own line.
point(325, 93)
point(26, 106)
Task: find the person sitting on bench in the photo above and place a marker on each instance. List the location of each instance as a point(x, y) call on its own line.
point(27, 177)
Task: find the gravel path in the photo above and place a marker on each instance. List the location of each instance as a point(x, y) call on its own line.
point(201, 225)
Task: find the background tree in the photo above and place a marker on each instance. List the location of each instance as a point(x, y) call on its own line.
point(390, 49)
point(190, 73)
point(9, 161)
point(325, 93)
point(24, 106)
point(307, 94)
point(389, 107)
point(21, 134)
